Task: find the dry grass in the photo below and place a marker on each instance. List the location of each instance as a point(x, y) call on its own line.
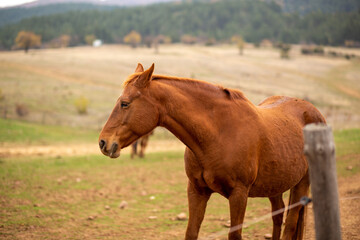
point(49, 80)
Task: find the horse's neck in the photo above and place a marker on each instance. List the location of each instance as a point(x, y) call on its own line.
point(189, 114)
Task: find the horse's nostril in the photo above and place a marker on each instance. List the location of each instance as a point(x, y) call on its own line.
point(113, 149)
point(102, 144)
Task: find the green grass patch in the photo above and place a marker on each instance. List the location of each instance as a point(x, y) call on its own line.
point(25, 133)
point(347, 144)
point(12, 131)
point(48, 194)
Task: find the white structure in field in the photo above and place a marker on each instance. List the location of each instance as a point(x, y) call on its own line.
point(97, 43)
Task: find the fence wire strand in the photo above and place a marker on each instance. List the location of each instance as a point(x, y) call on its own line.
point(303, 201)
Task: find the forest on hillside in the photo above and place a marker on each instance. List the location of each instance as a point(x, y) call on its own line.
point(219, 21)
point(16, 14)
point(326, 6)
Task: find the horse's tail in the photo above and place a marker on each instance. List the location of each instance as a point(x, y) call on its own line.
point(300, 226)
point(311, 115)
point(299, 232)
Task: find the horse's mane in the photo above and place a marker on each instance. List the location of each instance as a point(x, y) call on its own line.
point(233, 94)
point(131, 79)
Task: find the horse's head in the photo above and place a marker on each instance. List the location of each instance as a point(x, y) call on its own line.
point(133, 116)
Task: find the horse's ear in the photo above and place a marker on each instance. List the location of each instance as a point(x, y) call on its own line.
point(139, 68)
point(145, 78)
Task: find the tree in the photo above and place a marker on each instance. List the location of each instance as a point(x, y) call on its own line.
point(64, 40)
point(148, 41)
point(239, 41)
point(254, 20)
point(188, 39)
point(160, 39)
point(133, 38)
point(164, 39)
point(26, 40)
point(284, 50)
point(266, 43)
point(81, 105)
point(60, 42)
point(89, 39)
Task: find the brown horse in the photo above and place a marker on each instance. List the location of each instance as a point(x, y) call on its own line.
point(234, 148)
point(143, 141)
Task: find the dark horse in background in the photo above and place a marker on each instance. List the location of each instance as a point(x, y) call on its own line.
point(143, 141)
point(233, 147)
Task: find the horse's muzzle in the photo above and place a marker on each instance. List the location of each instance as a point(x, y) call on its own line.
point(112, 152)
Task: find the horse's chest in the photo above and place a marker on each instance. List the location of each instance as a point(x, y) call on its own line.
point(208, 172)
point(219, 181)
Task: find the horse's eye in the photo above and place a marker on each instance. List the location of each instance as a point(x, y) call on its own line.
point(125, 104)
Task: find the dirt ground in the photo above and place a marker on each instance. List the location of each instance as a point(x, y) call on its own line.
point(349, 187)
point(349, 196)
point(11, 150)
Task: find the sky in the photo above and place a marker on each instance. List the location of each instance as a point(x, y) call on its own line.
point(8, 3)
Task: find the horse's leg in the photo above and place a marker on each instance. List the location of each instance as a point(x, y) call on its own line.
point(237, 201)
point(276, 204)
point(294, 223)
point(198, 198)
point(143, 145)
point(133, 149)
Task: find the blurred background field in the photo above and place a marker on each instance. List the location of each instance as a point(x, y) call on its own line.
point(55, 98)
point(49, 83)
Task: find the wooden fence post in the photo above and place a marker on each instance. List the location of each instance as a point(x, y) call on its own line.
point(320, 152)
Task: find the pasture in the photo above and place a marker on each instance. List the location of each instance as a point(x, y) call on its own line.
point(55, 184)
point(49, 81)
point(78, 197)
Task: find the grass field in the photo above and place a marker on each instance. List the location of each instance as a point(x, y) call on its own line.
point(77, 196)
point(66, 197)
point(24, 133)
point(49, 81)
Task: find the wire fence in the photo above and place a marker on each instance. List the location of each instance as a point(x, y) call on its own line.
point(303, 201)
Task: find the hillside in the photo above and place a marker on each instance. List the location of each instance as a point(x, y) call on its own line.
point(326, 6)
point(254, 20)
point(49, 81)
point(97, 2)
point(12, 15)
point(49, 7)
point(302, 7)
point(37, 3)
